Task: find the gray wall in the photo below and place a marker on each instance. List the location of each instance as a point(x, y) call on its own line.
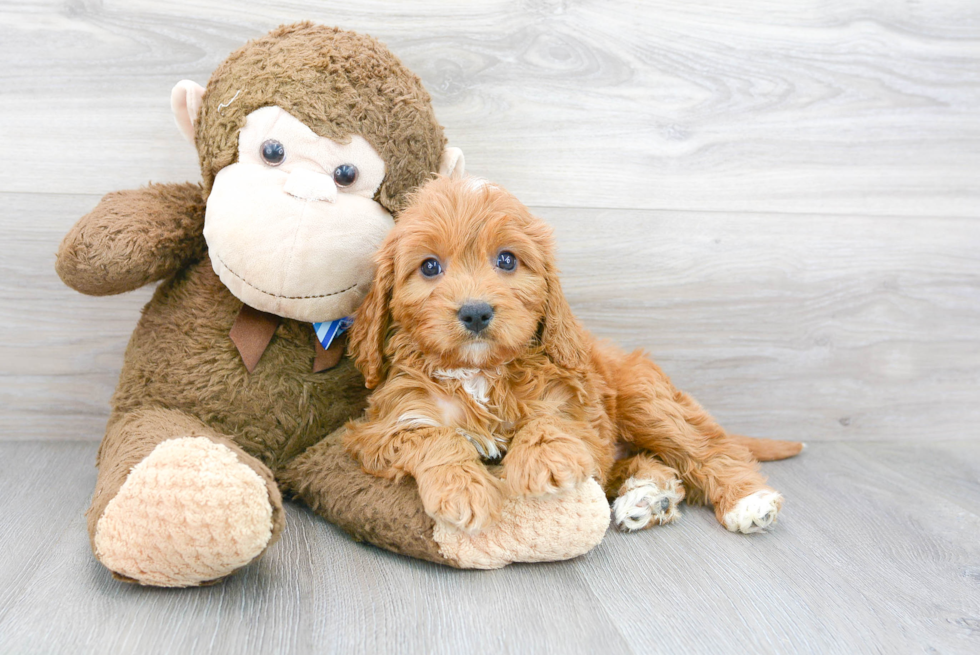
point(782, 206)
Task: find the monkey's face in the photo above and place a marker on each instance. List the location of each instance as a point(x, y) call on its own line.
point(292, 226)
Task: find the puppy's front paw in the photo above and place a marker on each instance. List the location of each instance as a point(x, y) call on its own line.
point(644, 504)
point(467, 498)
point(547, 467)
point(755, 512)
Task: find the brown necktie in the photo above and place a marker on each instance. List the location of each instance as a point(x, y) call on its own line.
point(253, 331)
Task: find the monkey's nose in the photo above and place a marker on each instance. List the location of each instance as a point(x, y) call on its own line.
point(475, 316)
point(307, 185)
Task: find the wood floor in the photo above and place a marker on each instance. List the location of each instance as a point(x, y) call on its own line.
point(873, 554)
point(780, 201)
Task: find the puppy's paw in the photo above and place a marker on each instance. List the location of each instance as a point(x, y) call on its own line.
point(755, 512)
point(643, 504)
point(466, 498)
point(547, 467)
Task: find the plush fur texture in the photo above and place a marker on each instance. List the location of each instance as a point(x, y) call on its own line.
point(387, 513)
point(133, 239)
point(139, 550)
point(338, 83)
point(231, 521)
point(576, 518)
point(183, 378)
point(533, 384)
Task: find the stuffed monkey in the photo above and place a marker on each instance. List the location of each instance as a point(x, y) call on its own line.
point(235, 384)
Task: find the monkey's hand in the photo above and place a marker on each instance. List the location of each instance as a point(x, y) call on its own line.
point(133, 238)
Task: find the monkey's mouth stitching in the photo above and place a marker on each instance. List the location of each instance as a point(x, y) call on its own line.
point(276, 295)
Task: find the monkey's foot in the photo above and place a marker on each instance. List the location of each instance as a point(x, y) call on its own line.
point(189, 513)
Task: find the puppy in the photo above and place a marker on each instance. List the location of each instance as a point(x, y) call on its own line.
point(476, 358)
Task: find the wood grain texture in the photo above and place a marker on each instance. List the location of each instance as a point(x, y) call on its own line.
point(797, 326)
point(876, 551)
point(837, 107)
point(856, 320)
point(778, 200)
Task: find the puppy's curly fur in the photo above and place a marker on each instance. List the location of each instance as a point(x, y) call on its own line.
point(532, 386)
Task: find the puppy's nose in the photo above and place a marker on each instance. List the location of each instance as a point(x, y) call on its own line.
point(475, 316)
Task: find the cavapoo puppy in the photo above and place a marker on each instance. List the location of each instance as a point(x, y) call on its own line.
point(477, 359)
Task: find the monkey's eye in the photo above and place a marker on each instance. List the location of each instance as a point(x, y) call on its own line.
point(273, 152)
point(506, 261)
point(431, 267)
point(345, 175)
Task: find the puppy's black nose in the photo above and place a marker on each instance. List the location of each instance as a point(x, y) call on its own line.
point(475, 316)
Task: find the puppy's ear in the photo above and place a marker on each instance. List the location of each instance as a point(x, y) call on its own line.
point(373, 317)
point(561, 335)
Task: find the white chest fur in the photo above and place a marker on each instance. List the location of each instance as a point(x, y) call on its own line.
point(474, 382)
point(477, 386)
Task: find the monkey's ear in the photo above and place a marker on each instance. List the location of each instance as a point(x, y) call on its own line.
point(453, 164)
point(373, 317)
point(185, 103)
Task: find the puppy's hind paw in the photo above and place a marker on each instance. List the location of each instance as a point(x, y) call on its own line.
point(754, 513)
point(644, 504)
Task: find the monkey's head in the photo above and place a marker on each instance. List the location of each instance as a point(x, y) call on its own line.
point(309, 138)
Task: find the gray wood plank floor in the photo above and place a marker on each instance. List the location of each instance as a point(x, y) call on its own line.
point(779, 200)
point(876, 552)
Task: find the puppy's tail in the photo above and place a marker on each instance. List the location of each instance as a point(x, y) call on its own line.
point(767, 450)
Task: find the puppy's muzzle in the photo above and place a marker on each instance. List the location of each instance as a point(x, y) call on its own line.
point(475, 316)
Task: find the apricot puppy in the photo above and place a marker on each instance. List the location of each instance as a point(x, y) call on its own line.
point(477, 359)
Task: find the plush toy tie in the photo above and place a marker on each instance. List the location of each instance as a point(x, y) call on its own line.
point(328, 331)
point(253, 331)
point(329, 342)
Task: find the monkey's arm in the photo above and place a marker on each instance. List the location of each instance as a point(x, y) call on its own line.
point(132, 238)
point(390, 513)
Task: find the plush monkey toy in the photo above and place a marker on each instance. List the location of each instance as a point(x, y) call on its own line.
point(235, 385)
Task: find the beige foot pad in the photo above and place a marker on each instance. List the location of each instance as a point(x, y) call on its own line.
point(189, 513)
point(542, 529)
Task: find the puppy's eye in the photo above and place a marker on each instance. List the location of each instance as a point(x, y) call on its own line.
point(506, 261)
point(273, 152)
point(345, 175)
point(431, 267)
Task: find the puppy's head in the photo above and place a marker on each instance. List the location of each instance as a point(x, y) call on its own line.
point(467, 278)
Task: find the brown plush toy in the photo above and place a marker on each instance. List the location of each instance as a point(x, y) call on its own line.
point(310, 139)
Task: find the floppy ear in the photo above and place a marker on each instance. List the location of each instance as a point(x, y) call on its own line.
point(373, 317)
point(561, 335)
